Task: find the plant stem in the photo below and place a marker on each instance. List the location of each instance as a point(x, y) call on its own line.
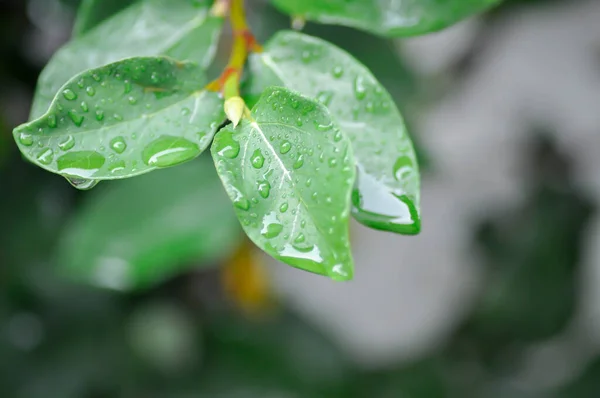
point(243, 43)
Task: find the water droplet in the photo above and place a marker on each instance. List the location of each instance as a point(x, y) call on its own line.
point(96, 77)
point(69, 95)
point(284, 207)
point(81, 164)
point(369, 107)
point(360, 91)
point(332, 162)
point(81, 83)
point(271, 226)
point(229, 147)
point(67, 143)
point(295, 103)
point(52, 121)
point(127, 87)
point(285, 147)
point(299, 122)
point(337, 71)
point(308, 182)
point(185, 111)
point(132, 100)
point(257, 159)
point(299, 162)
point(84, 106)
point(242, 203)
point(91, 91)
point(325, 97)
point(118, 144)
point(264, 188)
point(169, 151)
point(25, 139)
point(315, 196)
point(76, 118)
point(117, 117)
point(337, 137)
point(45, 156)
point(82, 183)
point(99, 115)
point(300, 238)
point(117, 166)
point(403, 168)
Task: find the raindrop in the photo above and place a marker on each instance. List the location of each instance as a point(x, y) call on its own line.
point(332, 162)
point(300, 238)
point(132, 100)
point(26, 139)
point(99, 115)
point(118, 144)
point(76, 118)
point(242, 203)
point(69, 95)
point(284, 207)
point(117, 117)
point(337, 71)
point(264, 188)
point(45, 156)
point(91, 91)
point(82, 183)
point(84, 106)
point(325, 97)
point(285, 147)
point(52, 121)
point(360, 91)
point(299, 162)
point(67, 143)
point(257, 159)
point(337, 137)
point(230, 148)
point(169, 151)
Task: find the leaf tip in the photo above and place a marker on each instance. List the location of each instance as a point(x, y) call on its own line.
point(234, 109)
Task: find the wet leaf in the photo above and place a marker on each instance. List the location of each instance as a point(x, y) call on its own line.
point(387, 191)
point(290, 172)
point(124, 119)
point(138, 233)
point(93, 12)
point(387, 17)
point(183, 30)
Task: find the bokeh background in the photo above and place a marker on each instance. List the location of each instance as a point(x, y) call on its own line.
point(498, 297)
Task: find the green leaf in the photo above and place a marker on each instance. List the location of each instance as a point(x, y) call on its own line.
point(181, 29)
point(289, 173)
point(387, 191)
point(140, 232)
point(386, 17)
point(124, 119)
point(93, 12)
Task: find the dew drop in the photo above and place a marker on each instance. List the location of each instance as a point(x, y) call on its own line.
point(45, 156)
point(264, 188)
point(333, 162)
point(242, 203)
point(117, 117)
point(82, 183)
point(325, 97)
point(67, 143)
point(337, 137)
point(132, 100)
point(99, 115)
point(118, 144)
point(52, 121)
point(258, 160)
point(337, 71)
point(360, 91)
point(229, 147)
point(168, 151)
point(91, 91)
point(76, 118)
point(82, 164)
point(84, 106)
point(285, 147)
point(69, 95)
point(26, 139)
point(300, 238)
point(299, 162)
point(284, 207)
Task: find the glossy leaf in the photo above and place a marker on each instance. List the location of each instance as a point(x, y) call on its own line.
point(290, 172)
point(387, 191)
point(93, 12)
point(386, 17)
point(138, 233)
point(124, 119)
point(182, 29)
